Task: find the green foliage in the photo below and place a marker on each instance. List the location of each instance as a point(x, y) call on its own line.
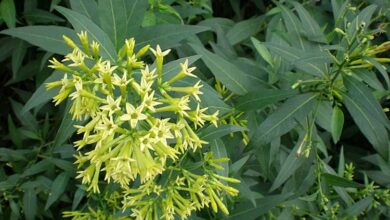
point(301, 88)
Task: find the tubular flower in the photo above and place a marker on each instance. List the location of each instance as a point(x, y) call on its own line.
point(138, 127)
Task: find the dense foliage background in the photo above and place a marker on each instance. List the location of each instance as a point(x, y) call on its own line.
point(303, 86)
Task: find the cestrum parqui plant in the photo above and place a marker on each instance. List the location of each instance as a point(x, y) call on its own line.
point(138, 130)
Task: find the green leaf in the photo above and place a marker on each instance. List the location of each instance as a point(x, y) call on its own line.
point(219, 151)
point(341, 165)
point(363, 17)
point(30, 204)
point(374, 131)
point(26, 118)
point(14, 132)
point(381, 68)
point(236, 166)
point(363, 95)
point(36, 168)
point(42, 16)
point(8, 13)
point(339, 181)
point(113, 20)
point(312, 29)
point(246, 192)
point(14, 208)
point(246, 211)
point(244, 29)
point(78, 196)
point(48, 38)
point(64, 165)
point(6, 47)
point(66, 128)
point(135, 12)
point(309, 62)
point(17, 57)
point(82, 23)
point(359, 207)
point(283, 119)
point(41, 94)
point(232, 77)
point(211, 132)
point(88, 8)
point(57, 188)
point(294, 27)
point(290, 165)
point(337, 123)
point(263, 51)
point(339, 10)
point(324, 115)
point(166, 36)
point(261, 98)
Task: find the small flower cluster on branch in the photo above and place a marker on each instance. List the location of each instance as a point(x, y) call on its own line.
point(138, 127)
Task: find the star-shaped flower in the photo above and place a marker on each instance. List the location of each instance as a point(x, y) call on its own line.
point(186, 70)
point(158, 52)
point(196, 92)
point(133, 115)
point(149, 101)
point(112, 105)
point(122, 82)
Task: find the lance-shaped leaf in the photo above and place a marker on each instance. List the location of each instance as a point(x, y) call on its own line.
point(41, 94)
point(88, 8)
point(118, 18)
point(363, 95)
point(247, 211)
point(219, 151)
point(337, 123)
point(57, 188)
point(48, 38)
point(82, 23)
point(283, 119)
point(167, 36)
point(211, 132)
point(260, 98)
point(312, 30)
point(30, 203)
point(294, 28)
point(309, 62)
point(374, 131)
point(226, 72)
point(244, 29)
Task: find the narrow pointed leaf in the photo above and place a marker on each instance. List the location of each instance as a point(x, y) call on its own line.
point(245, 210)
point(88, 8)
point(312, 29)
point(260, 98)
point(113, 19)
point(8, 12)
point(41, 94)
point(211, 132)
point(337, 123)
point(232, 77)
point(363, 95)
point(30, 204)
point(57, 188)
point(283, 119)
point(48, 38)
point(373, 130)
point(166, 36)
point(244, 29)
point(82, 23)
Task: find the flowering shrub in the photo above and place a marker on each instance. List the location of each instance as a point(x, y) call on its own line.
point(137, 128)
point(286, 115)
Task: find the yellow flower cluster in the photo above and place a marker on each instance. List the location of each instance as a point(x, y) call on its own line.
point(137, 126)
